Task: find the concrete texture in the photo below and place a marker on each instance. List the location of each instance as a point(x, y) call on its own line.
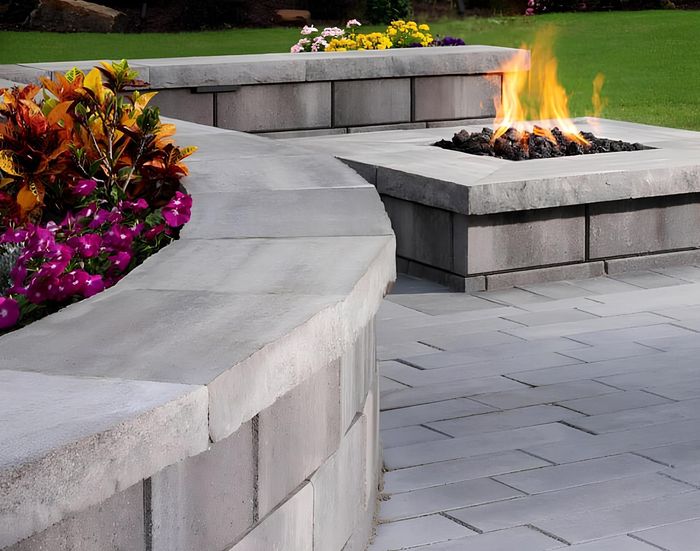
point(186, 105)
point(365, 102)
point(205, 501)
point(83, 423)
point(455, 97)
point(270, 107)
point(615, 463)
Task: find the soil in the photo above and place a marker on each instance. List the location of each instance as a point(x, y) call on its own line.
point(516, 146)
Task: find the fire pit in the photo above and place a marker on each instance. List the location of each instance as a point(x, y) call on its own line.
point(466, 215)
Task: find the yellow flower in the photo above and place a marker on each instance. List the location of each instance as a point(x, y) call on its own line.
point(423, 27)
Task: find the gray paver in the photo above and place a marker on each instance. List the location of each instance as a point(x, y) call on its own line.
point(648, 280)
point(455, 448)
point(617, 543)
point(521, 538)
point(416, 415)
point(444, 498)
point(616, 401)
point(510, 399)
point(404, 436)
point(631, 517)
point(554, 316)
point(445, 472)
point(417, 531)
point(558, 477)
point(609, 352)
point(504, 420)
point(680, 536)
point(568, 502)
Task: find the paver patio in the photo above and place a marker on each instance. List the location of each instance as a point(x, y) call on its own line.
point(562, 415)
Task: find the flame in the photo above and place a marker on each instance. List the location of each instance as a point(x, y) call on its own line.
point(535, 94)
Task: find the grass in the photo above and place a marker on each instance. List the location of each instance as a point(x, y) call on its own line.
point(651, 59)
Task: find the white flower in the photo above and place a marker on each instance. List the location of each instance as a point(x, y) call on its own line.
point(309, 29)
point(353, 23)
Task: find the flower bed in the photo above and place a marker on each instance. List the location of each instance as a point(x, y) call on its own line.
point(89, 188)
point(399, 34)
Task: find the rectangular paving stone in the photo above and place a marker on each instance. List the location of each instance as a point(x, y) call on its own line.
point(586, 326)
point(616, 401)
point(404, 436)
point(683, 453)
point(469, 341)
point(389, 385)
point(446, 472)
point(521, 538)
point(470, 446)
point(504, 420)
point(617, 543)
point(473, 349)
point(633, 418)
point(555, 289)
point(568, 502)
point(609, 352)
point(404, 396)
point(625, 519)
point(609, 371)
point(680, 536)
point(649, 280)
point(444, 498)
point(416, 415)
point(558, 477)
point(546, 394)
point(678, 390)
point(603, 285)
point(546, 318)
point(437, 304)
point(687, 473)
point(619, 442)
point(402, 350)
point(622, 337)
point(458, 328)
point(417, 531)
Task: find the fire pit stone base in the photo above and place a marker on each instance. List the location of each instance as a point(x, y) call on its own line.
point(475, 222)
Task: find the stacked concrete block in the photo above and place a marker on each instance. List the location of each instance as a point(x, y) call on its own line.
point(455, 97)
point(371, 102)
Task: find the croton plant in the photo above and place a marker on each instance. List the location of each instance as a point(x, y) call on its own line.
point(89, 187)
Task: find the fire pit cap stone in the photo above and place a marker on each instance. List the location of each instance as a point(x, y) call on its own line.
point(408, 167)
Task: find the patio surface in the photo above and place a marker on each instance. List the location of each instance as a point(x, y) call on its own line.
point(558, 415)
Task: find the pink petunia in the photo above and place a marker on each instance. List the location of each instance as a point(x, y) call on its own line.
point(87, 246)
point(9, 312)
point(177, 212)
point(120, 261)
point(84, 188)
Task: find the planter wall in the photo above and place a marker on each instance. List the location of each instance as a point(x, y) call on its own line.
point(221, 396)
point(305, 94)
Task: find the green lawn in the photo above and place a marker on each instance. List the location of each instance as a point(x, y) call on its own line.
point(651, 59)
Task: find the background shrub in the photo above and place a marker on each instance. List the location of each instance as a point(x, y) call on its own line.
point(386, 11)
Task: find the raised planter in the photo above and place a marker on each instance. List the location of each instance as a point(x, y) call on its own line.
point(475, 222)
point(221, 396)
point(318, 93)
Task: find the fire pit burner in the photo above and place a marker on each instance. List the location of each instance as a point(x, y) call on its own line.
point(542, 143)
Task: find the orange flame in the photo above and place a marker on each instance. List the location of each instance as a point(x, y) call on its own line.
point(536, 94)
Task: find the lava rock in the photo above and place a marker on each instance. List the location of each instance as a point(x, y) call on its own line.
point(515, 145)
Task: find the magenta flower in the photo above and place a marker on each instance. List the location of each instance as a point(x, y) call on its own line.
point(119, 237)
point(9, 312)
point(134, 206)
point(155, 231)
point(120, 261)
point(177, 212)
point(99, 218)
point(53, 268)
point(13, 236)
point(84, 188)
point(87, 246)
point(42, 288)
point(93, 285)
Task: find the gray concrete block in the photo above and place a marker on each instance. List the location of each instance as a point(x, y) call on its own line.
point(526, 239)
point(367, 171)
point(455, 97)
point(505, 280)
point(644, 225)
point(289, 527)
point(423, 234)
point(443, 277)
point(371, 102)
point(651, 262)
point(206, 501)
point(270, 107)
point(339, 491)
point(357, 370)
point(116, 523)
point(296, 435)
point(22, 73)
point(70, 443)
point(185, 105)
point(459, 122)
